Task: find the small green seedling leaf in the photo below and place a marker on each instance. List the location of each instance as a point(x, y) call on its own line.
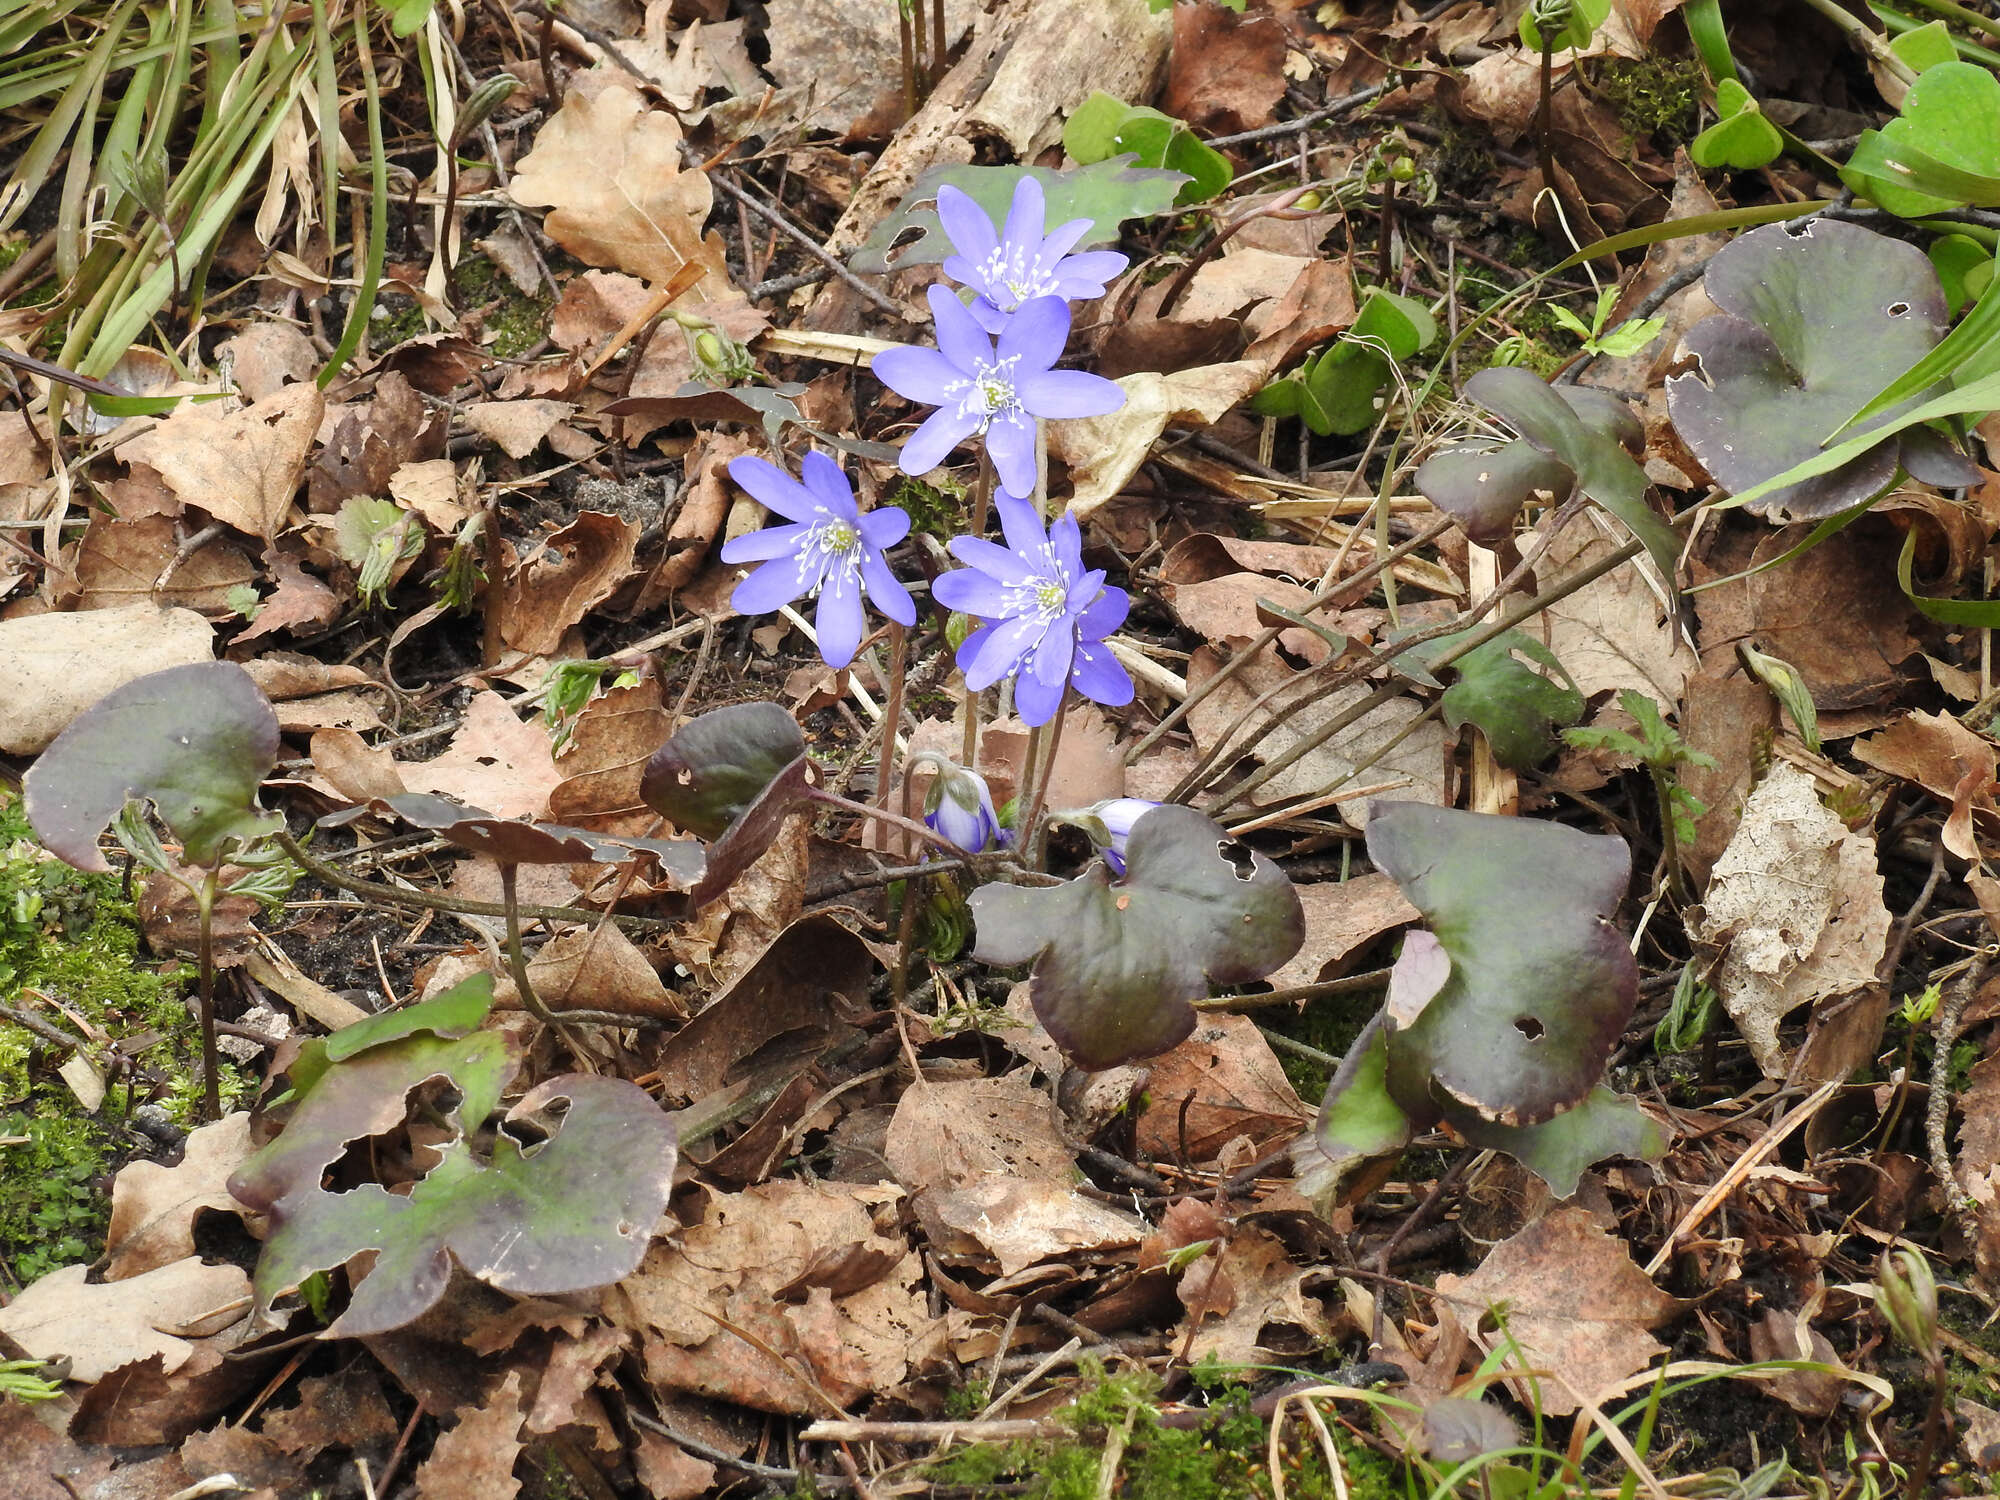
point(1117, 962)
point(1107, 193)
point(1790, 689)
point(376, 538)
point(1517, 704)
point(1815, 320)
point(1511, 1004)
point(1964, 266)
point(1925, 47)
point(1570, 23)
point(1335, 390)
point(455, 1013)
point(1741, 137)
point(194, 741)
point(576, 1211)
point(1942, 152)
point(1104, 126)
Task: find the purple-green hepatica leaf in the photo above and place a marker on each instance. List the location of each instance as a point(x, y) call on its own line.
point(195, 741)
point(1814, 321)
point(1540, 984)
point(1557, 1151)
point(1117, 963)
point(1357, 1119)
point(514, 841)
point(575, 1211)
point(1483, 488)
point(716, 765)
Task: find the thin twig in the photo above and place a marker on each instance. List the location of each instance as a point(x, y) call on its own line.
point(1951, 1014)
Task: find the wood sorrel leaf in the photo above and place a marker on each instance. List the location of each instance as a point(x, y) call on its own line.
point(1539, 983)
point(1941, 152)
point(575, 1211)
point(195, 741)
point(1815, 320)
point(1117, 962)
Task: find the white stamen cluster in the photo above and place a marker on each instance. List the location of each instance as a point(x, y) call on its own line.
point(1019, 271)
point(988, 392)
point(832, 545)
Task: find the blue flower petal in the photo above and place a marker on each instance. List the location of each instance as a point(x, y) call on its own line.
point(960, 339)
point(967, 226)
point(761, 546)
point(994, 561)
point(1087, 275)
point(828, 485)
point(1023, 530)
point(1068, 393)
point(884, 526)
point(1096, 674)
point(838, 621)
point(1036, 701)
point(920, 374)
point(1036, 335)
point(1025, 216)
point(1066, 541)
point(774, 489)
point(885, 590)
point(1010, 442)
point(1001, 652)
point(776, 583)
point(971, 592)
point(1104, 614)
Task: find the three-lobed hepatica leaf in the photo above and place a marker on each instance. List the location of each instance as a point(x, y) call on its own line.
point(1118, 961)
point(1815, 320)
point(195, 741)
point(575, 1210)
point(1941, 152)
point(1515, 690)
point(1512, 1003)
point(730, 776)
point(1106, 192)
point(1500, 1018)
point(1586, 437)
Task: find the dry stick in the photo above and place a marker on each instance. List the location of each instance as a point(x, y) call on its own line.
point(397, 895)
point(1950, 1015)
point(1298, 994)
point(1303, 122)
point(1322, 597)
point(211, 1063)
point(1424, 1212)
point(1208, 252)
point(777, 219)
point(1525, 610)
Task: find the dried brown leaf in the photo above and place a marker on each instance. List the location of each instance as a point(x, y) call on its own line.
point(153, 1207)
point(241, 467)
point(101, 1326)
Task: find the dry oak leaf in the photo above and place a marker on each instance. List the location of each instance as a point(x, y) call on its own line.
point(495, 761)
point(517, 426)
point(1224, 1081)
point(475, 1460)
point(104, 1325)
point(609, 171)
point(564, 579)
point(1947, 760)
point(1253, 1285)
point(242, 467)
point(1342, 917)
point(1797, 898)
point(1104, 452)
point(1574, 1302)
point(1614, 632)
point(153, 1207)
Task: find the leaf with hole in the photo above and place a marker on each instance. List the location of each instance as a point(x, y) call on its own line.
point(1741, 137)
point(1814, 321)
point(1512, 1002)
point(1117, 962)
point(574, 1209)
point(1942, 151)
point(195, 741)
point(731, 776)
point(1107, 193)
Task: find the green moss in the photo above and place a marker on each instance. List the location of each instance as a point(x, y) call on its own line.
point(516, 323)
point(1225, 1459)
point(395, 319)
point(938, 510)
point(1652, 95)
point(70, 951)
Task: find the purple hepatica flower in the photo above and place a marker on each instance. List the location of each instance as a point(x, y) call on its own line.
point(994, 392)
point(831, 549)
point(1046, 617)
point(959, 806)
point(1021, 263)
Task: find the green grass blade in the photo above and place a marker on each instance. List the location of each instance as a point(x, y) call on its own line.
point(363, 306)
point(32, 171)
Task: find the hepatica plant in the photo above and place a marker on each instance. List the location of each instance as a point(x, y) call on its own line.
point(1501, 1015)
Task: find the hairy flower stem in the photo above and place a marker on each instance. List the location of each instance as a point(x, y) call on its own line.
point(892, 715)
point(1670, 843)
point(1049, 736)
point(909, 59)
point(982, 505)
point(1926, 1458)
point(204, 896)
point(517, 965)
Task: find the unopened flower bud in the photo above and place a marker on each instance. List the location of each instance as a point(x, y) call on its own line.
point(959, 806)
point(1402, 169)
point(1906, 1296)
point(717, 356)
point(1110, 824)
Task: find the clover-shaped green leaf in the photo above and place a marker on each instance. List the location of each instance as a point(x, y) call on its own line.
point(195, 741)
point(1741, 137)
point(1104, 126)
point(1105, 192)
point(575, 1211)
point(1510, 1005)
point(1117, 962)
point(1815, 319)
point(1942, 151)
